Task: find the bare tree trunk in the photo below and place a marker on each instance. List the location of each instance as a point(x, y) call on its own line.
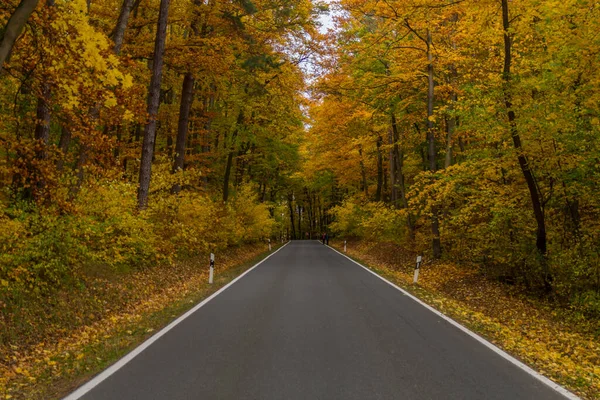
point(450, 128)
point(398, 164)
point(363, 173)
point(461, 144)
point(310, 210)
point(122, 25)
point(290, 198)
point(207, 127)
point(385, 184)
point(432, 151)
point(239, 121)
point(42, 136)
point(538, 210)
point(227, 175)
point(451, 119)
point(42, 127)
point(14, 27)
point(81, 161)
point(393, 187)
point(240, 164)
point(300, 236)
point(63, 145)
point(399, 156)
point(379, 169)
point(187, 97)
point(153, 103)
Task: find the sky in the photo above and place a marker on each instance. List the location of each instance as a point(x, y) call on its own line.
point(327, 22)
point(327, 19)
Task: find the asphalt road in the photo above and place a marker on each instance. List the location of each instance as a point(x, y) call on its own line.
point(310, 324)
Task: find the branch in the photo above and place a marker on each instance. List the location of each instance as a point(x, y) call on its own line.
point(407, 24)
point(441, 5)
point(409, 47)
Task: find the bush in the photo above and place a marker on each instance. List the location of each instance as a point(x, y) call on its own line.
point(373, 221)
point(46, 248)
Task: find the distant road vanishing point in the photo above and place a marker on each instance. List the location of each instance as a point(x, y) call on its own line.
point(309, 323)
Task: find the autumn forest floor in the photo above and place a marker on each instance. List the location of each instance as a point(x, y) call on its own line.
point(554, 341)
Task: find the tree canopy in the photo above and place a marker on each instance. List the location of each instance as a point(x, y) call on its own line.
point(465, 129)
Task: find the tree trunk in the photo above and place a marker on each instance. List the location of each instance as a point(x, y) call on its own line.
point(42, 127)
point(153, 103)
point(239, 121)
point(122, 25)
point(538, 210)
point(363, 173)
point(379, 169)
point(290, 198)
point(14, 27)
point(81, 161)
point(240, 165)
point(63, 145)
point(450, 128)
point(451, 119)
point(227, 175)
point(42, 136)
point(398, 164)
point(263, 195)
point(205, 145)
point(310, 210)
point(393, 187)
point(300, 236)
point(187, 98)
point(385, 185)
point(432, 153)
point(399, 156)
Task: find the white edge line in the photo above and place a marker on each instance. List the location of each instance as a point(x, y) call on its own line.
point(553, 385)
point(78, 393)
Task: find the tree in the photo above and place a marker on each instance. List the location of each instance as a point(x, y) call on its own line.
point(187, 97)
point(153, 104)
point(14, 27)
point(536, 203)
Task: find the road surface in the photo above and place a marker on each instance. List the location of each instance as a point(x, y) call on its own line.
point(310, 324)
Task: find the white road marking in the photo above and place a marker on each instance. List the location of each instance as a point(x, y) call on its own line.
point(77, 394)
point(553, 385)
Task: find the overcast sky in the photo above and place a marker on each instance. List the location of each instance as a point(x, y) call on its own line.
point(327, 19)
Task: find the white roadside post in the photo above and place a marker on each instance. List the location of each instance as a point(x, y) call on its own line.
point(269, 244)
point(416, 277)
point(212, 268)
point(344, 246)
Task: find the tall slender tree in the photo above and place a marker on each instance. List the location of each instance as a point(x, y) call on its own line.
point(153, 104)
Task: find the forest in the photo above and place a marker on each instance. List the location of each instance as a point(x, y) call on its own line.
point(468, 130)
point(144, 133)
point(140, 131)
